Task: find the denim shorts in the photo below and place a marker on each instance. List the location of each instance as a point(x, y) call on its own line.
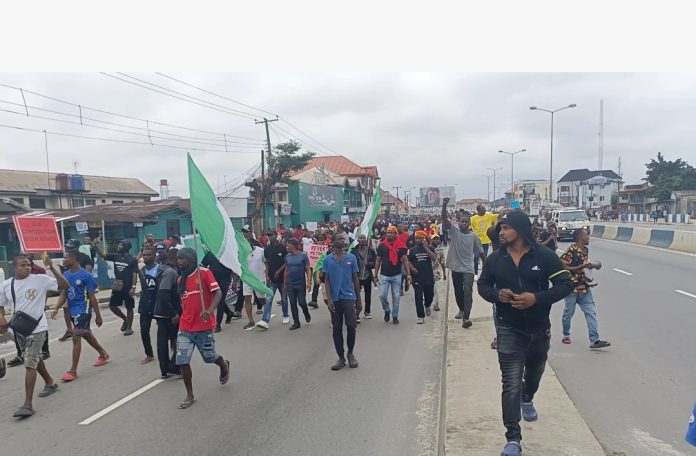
point(202, 340)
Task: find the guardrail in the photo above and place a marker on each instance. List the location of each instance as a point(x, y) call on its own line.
point(684, 241)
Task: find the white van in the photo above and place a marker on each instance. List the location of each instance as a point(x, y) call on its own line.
point(568, 220)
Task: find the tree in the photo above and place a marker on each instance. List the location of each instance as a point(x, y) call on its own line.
point(666, 176)
point(284, 159)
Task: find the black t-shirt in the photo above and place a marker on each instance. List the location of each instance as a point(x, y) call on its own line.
point(388, 269)
point(411, 241)
point(420, 260)
point(222, 273)
point(552, 245)
point(85, 261)
point(124, 267)
point(275, 258)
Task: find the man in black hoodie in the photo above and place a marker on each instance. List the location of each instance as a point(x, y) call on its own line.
point(126, 277)
point(167, 312)
point(149, 279)
point(516, 279)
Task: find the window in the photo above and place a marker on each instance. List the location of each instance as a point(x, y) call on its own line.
point(103, 201)
point(601, 198)
point(173, 227)
point(18, 199)
point(78, 202)
point(116, 202)
point(37, 203)
point(90, 202)
point(565, 188)
point(282, 196)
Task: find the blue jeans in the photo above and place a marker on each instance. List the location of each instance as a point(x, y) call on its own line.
point(586, 303)
point(275, 286)
point(202, 340)
point(393, 283)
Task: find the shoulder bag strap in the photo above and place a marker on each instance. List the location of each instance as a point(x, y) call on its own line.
point(14, 297)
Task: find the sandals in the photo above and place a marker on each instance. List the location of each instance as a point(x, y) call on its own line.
point(23, 412)
point(226, 377)
point(186, 403)
point(566, 340)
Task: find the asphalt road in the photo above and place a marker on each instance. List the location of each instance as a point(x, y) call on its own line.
point(282, 398)
point(637, 395)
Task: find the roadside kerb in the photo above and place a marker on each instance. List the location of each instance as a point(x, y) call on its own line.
point(473, 418)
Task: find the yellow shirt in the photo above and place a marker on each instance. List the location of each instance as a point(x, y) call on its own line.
point(435, 229)
point(481, 223)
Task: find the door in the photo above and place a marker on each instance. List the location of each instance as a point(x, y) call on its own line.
point(173, 227)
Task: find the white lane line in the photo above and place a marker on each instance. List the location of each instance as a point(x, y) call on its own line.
point(686, 294)
point(119, 403)
point(622, 272)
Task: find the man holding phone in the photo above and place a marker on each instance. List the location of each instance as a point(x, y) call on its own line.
point(123, 290)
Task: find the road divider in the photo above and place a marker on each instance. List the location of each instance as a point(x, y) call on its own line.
point(683, 241)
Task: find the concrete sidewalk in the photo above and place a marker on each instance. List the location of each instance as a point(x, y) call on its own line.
point(474, 424)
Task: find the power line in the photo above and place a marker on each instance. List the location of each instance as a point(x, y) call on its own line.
point(124, 116)
point(116, 140)
point(217, 95)
point(306, 135)
point(202, 102)
point(127, 132)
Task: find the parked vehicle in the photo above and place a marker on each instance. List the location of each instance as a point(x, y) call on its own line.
point(569, 220)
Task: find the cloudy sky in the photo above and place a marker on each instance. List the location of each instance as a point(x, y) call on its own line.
point(420, 129)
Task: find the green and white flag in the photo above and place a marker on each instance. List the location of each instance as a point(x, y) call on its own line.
point(215, 229)
point(369, 218)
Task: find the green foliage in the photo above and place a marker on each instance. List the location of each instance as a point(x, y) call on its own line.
point(667, 176)
point(285, 159)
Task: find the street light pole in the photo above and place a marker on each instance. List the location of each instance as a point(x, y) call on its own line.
point(494, 171)
point(512, 169)
point(488, 180)
point(534, 108)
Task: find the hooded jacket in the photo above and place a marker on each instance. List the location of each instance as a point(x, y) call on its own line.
point(167, 303)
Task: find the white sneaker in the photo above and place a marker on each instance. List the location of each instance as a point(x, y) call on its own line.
point(420, 321)
point(262, 324)
point(286, 320)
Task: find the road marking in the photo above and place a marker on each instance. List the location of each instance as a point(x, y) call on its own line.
point(119, 403)
point(622, 272)
point(686, 294)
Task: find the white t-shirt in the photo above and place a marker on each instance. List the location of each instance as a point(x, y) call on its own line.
point(307, 240)
point(256, 263)
point(31, 296)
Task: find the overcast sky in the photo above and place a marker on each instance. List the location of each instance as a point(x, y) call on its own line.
point(420, 129)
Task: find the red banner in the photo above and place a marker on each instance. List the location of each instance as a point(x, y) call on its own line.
point(38, 234)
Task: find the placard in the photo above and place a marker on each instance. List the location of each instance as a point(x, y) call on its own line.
point(81, 227)
point(311, 226)
point(38, 234)
point(345, 218)
point(313, 252)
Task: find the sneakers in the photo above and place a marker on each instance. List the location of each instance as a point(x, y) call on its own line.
point(566, 340)
point(236, 316)
point(352, 362)
point(529, 413)
point(357, 320)
point(295, 326)
point(262, 324)
point(368, 316)
point(395, 320)
point(259, 311)
point(69, 376)
point(387, 316)
point(286, 320)
point(340, 364)
point(428, 312)
point(512, 449)
point(307, 316)
point(101, 361)
point(466, 324)
point(66, 336)
point(420, 321)
point(48, 390)
point(128, 332)
point(249, 326)
point(460, 315)
point(313, 304)
point(124, 326)
point(600, 344)
point(16, 361)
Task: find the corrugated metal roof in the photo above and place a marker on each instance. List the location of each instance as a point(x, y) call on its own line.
point(144, 212)
point(32, 181)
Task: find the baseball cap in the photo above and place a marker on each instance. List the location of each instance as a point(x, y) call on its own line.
point(246, 228)
point(72, 244)
point(160, 246)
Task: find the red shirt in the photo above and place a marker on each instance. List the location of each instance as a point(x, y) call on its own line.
point(191, 320)
point(263, 240)
point(298, 234)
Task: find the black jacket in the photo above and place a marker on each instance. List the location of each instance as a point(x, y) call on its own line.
point(537, 267)
point(168, 302)
point(369, 264)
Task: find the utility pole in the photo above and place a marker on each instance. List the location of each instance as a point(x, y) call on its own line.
point(263, 194)
point(262, 187)
point(512, 171)
point(397, 198)
point(494, 171)
point(488, 180)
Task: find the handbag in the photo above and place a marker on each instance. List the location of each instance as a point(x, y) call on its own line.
point(21, 322)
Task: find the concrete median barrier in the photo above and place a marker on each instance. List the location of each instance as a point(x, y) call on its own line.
point(624, 234)
point(684, 241)
point(640, 236)
point(598, 231)
point(661, 238)
point(610, 232)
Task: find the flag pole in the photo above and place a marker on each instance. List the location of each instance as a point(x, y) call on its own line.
point(198, 269)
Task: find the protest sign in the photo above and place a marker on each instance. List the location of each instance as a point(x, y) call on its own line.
point(38, 234)
point(314, 251)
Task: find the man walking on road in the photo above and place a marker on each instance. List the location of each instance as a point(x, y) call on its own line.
point(343, 295)
point(26, 292)
point(391, 256)
point(480, 223)
point(149, 281)
point(576, 261)
point(81, 303)
point(439, 272)
point(420, 259)
point(366, 256)
point(465, 245)
point(548, 238)
point(298, 282)
point(516, 279)
point(256, 263)
point(274, 254)
point(223, 275)
point(200, 296)
point(123, 289)
point(167, 312)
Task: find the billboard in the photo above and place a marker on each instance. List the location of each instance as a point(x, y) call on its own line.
point(433, 196)
point(321, 196)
